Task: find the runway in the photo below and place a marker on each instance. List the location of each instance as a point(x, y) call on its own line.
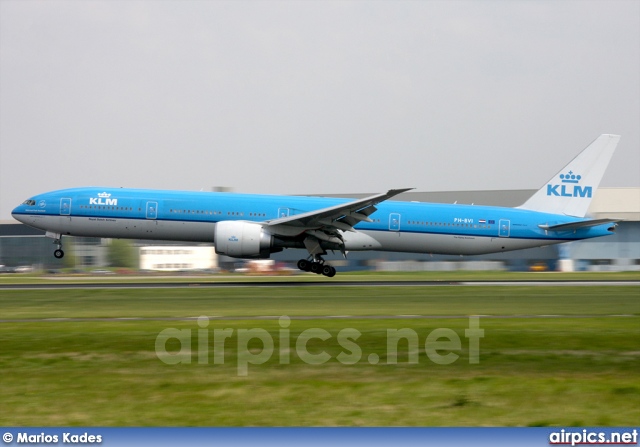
point(245, 284)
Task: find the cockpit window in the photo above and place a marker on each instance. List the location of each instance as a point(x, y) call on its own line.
point(29, 202)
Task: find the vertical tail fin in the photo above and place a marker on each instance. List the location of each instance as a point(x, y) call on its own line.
point(570, 191)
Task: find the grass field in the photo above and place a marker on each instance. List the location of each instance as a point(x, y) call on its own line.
point(580, 367)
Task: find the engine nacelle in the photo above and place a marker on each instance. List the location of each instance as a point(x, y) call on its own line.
point(241, 239)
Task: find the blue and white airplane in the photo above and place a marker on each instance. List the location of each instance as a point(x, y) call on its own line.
point(254, 226)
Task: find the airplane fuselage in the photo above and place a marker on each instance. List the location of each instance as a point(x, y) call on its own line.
point(394, 226)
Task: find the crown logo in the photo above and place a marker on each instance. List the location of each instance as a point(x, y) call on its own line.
point(570, 177)
point(104, 194)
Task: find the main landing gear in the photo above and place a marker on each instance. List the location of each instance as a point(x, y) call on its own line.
point(317, 266)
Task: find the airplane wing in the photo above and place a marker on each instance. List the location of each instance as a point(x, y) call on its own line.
point(339, 217)
point(576, 225)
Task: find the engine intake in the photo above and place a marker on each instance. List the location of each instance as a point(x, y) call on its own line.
point(240, 239)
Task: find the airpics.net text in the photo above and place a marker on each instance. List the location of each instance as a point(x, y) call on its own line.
point(441, 346)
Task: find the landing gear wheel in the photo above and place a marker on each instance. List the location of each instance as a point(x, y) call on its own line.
point(328, 271)
point(316, 267)
point(58, 254)
point(304, 265)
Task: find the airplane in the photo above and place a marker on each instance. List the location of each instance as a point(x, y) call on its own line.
point(254, 226)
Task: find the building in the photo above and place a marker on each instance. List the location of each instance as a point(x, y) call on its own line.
point(174, 258)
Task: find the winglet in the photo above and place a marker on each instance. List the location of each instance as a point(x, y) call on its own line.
point(394, 192)
point(570, 191)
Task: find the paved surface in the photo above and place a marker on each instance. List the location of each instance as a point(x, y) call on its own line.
point(230, 284)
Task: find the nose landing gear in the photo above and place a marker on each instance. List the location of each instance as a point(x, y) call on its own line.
point(57, 240)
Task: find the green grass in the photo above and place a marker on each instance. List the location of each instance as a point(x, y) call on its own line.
point(316, 301)
point(579, 369)
point(346, 276)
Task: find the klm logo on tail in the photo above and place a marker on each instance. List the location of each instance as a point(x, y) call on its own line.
point(569, 187)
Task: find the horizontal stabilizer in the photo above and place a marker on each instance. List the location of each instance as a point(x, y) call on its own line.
point(576, 225)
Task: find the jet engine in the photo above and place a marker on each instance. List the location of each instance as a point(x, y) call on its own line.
point(241, 239)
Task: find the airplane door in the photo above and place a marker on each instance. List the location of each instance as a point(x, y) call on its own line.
point(283, 212)
point(394, 222)
point(65, 207)
point(505, 227)
point(152, 210)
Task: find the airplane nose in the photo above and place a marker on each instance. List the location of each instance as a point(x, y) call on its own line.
point(17, 215)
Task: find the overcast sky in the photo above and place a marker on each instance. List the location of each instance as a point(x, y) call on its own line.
point(312, 96)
